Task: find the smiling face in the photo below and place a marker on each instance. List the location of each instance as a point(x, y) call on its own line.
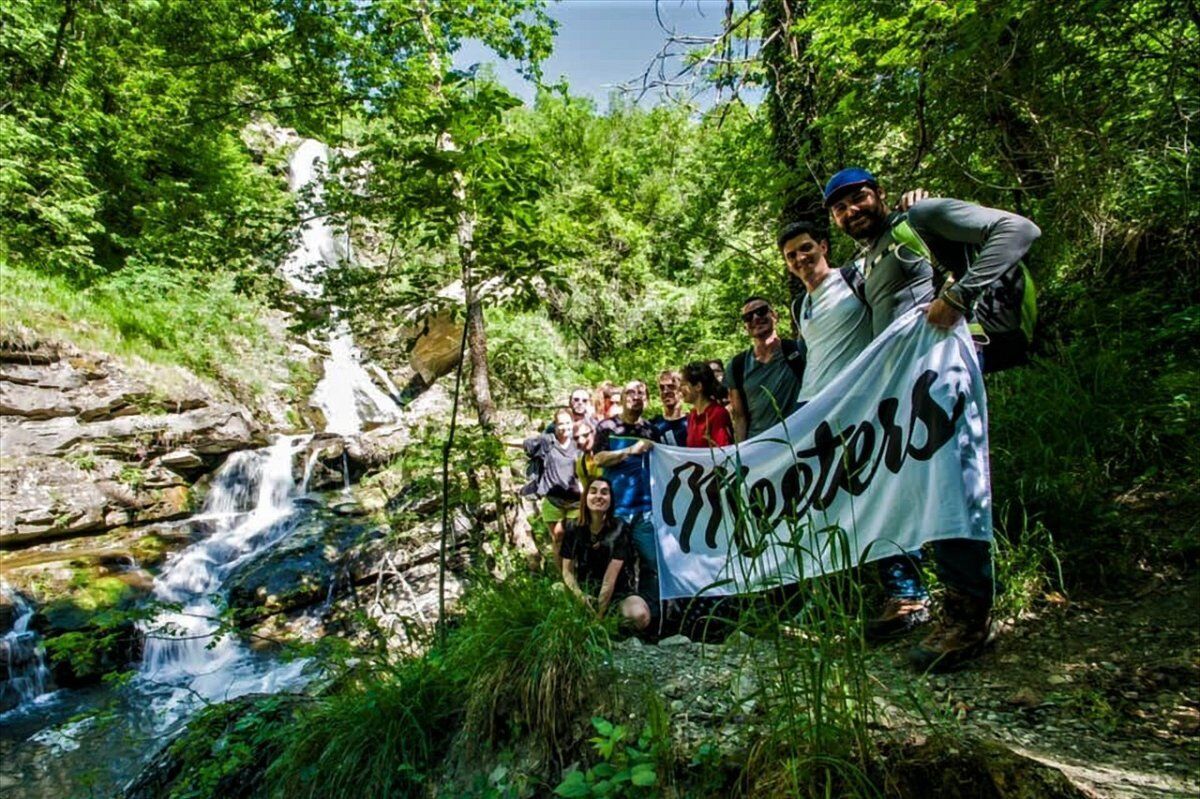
point(806, 259)
point(689, 392)
point(860, 212)
point(633, 399)
point(599, 497)
point(585, 436)
point(579, 403)
point(668, 391)
point(759, 319)
point(562, 425)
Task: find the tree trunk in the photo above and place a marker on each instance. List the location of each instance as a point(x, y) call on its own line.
point(792, 107)
point(481, 385)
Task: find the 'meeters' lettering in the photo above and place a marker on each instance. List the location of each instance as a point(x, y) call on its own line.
point(847, 460)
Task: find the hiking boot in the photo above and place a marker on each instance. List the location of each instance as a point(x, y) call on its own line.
point(960, 635)
point(900, 616)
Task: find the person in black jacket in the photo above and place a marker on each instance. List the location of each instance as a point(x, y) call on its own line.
point(597, 559)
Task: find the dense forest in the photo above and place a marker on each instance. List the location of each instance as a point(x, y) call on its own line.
point(145, 213)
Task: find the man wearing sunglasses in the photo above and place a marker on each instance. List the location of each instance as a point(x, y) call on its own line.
point(764, 380)
point(580, 405)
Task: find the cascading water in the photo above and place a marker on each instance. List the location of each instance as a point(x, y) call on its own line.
point(26, 678)
point(346, 395)
point(250, 508)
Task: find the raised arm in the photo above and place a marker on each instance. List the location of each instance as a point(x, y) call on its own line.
point(1003, 237)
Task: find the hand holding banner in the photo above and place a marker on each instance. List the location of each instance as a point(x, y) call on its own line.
point(890, 454)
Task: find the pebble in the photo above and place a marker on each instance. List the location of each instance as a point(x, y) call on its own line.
point(1058, 679)
point(675, 640)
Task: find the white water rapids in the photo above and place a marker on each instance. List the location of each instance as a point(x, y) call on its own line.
point(250, 507)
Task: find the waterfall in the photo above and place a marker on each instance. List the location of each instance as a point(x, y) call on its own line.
point(346, 395)
point(25, 677)
point(250, 508)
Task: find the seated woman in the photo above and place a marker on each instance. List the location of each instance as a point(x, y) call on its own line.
point(708, 424)
point(556, 484)
point(597, 559)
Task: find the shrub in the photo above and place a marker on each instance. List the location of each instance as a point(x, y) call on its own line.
point(530, 656)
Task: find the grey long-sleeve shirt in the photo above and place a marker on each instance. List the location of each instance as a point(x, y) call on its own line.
point(975, 243)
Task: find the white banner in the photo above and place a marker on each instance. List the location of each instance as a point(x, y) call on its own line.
point(892, 453)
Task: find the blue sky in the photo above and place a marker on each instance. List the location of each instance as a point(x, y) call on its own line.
point(604, 43)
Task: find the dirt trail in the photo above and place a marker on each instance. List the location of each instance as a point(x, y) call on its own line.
point(1107, 691)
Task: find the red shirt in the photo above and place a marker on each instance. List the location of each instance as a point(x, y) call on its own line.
point(712, 428)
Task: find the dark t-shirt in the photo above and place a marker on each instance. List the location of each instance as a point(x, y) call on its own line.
point(591, 558)
point(671, 431)
point(630, 479)
point(557, 481)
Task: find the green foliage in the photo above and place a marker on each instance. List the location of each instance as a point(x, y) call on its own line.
point(626, 767)
point(382, 735)
point(530, 657)
point(227, 746)
point(199, 321)
point(529, 360)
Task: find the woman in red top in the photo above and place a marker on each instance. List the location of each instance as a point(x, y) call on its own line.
point(708, 424)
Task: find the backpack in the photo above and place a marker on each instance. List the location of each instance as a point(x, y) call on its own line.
point(852, 274)
point(794, 354)
point(1003, 315)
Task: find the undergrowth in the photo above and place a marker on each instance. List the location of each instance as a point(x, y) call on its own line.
point(523, 660)
point(199, 321)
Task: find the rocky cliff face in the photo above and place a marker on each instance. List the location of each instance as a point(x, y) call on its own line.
point(88, 444)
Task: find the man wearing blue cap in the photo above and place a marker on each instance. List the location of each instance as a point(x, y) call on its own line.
point(980, 248)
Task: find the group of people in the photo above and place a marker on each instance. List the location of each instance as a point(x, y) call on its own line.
point(957, 259)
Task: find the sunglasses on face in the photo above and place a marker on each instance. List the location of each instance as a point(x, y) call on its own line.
point(578, 399)
point(666, 388)
point(759, 312)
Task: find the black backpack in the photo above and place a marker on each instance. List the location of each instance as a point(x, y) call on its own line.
point(794, 353)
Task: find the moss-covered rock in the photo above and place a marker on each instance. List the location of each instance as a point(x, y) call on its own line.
point(91, 630)
point(301, 570)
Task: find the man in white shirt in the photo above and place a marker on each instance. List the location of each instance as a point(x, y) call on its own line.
point(835, 326)
point(834, 322)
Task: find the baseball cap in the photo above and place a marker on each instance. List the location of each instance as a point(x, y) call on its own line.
point(849, 178)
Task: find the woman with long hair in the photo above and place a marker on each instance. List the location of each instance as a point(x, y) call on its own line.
point(708, 424)
point(597, 558)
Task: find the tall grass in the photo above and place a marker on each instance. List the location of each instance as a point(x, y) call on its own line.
point(384, 736)
point(530, 657)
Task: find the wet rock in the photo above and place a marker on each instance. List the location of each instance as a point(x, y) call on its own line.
point(302, 570)
point(182, 460)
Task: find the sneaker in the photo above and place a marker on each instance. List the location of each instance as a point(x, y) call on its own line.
point(900, 616)
point(960, 636)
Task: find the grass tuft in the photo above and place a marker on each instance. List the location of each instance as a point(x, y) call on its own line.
point(530, 656)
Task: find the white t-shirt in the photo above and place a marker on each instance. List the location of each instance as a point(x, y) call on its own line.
point(835, 326)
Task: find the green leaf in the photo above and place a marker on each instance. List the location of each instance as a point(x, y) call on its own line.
point(644, 775)
point(573, 786)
